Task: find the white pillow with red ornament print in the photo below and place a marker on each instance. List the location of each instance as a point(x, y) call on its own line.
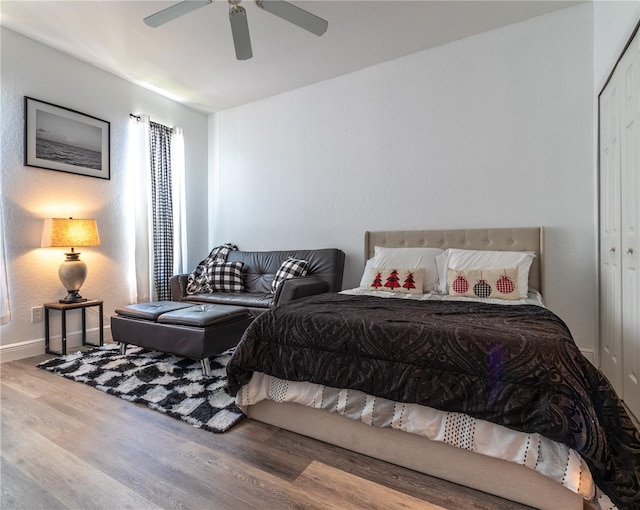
point(458, 259)
point(484, 283)
point(405, 281)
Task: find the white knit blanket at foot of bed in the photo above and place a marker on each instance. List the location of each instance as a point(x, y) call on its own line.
point(549, 458)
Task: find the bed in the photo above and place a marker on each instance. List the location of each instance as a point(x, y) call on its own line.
point(422, 418)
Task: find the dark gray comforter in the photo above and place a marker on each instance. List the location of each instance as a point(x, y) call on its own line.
point(514, 365)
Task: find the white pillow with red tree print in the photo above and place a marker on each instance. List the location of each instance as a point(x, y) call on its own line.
point(402, 280)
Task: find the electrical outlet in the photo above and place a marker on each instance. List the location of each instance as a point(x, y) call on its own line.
point(37, 314)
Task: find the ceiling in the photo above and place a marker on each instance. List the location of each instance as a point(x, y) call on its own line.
point(192, 60)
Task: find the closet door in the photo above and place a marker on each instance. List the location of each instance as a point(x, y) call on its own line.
point(629, 87)
point(610, 259)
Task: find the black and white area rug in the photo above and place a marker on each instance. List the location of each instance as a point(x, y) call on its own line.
point(170, 384)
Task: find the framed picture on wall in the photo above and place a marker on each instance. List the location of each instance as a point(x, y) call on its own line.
point(65, 140)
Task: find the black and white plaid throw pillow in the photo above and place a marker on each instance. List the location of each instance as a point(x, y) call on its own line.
point(290, 268)
point(226, 276)
point(198, 280)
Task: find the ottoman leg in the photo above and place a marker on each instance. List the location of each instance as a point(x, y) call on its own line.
point(123, 348)
point(206, 366)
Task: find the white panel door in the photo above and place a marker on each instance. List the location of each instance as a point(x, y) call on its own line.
point(629, 88)
point(610, 272)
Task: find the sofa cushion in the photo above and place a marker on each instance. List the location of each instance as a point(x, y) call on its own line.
point(290, 268)
point(260, 267)
point(247, 299)
point(226, 276)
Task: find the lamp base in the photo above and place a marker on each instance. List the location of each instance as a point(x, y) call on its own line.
point(72, 273)
point(73, 297)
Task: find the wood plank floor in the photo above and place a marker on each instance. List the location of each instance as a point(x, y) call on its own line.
point(67, 445)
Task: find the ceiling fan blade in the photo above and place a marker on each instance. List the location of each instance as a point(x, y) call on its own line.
point(295, 15)
point(240, 31)
point(173, 12)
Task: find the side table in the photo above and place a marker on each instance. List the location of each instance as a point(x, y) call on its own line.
point(63, 308)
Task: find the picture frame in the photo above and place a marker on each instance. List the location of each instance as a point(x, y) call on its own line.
point(65, 140)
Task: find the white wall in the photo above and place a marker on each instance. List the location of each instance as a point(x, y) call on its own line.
point(31, 194)
point(492, 131)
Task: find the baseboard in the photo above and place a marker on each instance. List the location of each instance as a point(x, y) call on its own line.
point(29, 348)
point(20, 350)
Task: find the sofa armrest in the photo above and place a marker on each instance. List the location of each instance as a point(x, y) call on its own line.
point(178, 285)
point(296, 288)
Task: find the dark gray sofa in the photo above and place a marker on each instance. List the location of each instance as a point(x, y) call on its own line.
point(326, 268)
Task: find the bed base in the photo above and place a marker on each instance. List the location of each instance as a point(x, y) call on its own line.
point(494, 476)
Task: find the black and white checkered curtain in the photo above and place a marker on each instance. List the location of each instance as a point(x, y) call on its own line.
point(161, 208)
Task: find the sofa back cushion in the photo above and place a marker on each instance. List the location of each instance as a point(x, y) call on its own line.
point(260, 267)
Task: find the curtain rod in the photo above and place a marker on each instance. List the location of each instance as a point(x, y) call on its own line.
point(138, 117)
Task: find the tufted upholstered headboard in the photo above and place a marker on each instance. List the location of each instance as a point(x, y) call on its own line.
point(498, 239)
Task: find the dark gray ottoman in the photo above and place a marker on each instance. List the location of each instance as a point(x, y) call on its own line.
point(192, 331)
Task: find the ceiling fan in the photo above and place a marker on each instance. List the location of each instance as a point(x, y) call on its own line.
point(238, 19)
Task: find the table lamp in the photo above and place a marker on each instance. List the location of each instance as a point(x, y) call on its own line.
point(63, 232)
